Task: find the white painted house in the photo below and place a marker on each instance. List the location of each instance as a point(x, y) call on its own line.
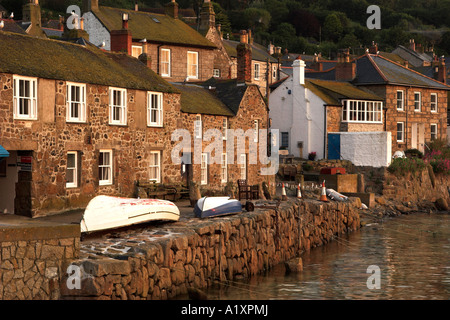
point(298, 113)
point(307, 111)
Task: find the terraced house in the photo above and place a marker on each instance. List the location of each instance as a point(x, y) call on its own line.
point(174, 50)
point(415, 106)
point(78, 121)
point(262, 68)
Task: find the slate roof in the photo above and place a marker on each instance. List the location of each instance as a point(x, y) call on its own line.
point(154, 27)
point(200, 99)
point(333, 91)
point(52, 59)
point(12, 26)
point(374, 69)
point(259, 52)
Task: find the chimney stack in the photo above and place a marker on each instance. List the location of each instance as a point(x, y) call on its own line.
point(90, 5)
point(121, 39)
point(442, 71)
point(412, 45)
point(171, 9)
point(317, 65)
point(373, 48)
point(244, 59)
point(345, 69)
point(298, 67)
point(207, 17)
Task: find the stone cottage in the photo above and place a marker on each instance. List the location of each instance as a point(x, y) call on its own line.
point(78, 121)
point(174, 50)
point(415, 106)
point(306, 110)
point(264, 68)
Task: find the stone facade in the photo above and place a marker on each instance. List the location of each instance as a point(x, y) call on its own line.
point(49, 139)
point(33, 257)
point(179, 61)
point(412, 119)
point(199, 255)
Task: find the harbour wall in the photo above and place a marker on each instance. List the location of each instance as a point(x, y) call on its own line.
point(200, 254)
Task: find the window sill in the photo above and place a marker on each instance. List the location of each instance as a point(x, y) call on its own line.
point(105, 183)
point(118, 124)
point(76, 121)
point(26, 119)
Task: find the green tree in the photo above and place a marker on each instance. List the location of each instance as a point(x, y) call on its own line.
point(332, 27)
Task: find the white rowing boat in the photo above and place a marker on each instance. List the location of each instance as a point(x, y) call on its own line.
point(106, 212)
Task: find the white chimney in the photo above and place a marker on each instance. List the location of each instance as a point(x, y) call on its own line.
point(298, 68)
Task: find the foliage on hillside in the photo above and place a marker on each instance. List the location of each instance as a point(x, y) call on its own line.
point(310, 25)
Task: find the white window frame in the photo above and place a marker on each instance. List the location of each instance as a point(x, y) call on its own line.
point(74, 183)
point(358, 111)
point(435, 134)
point(274, 72)
point(435, 103)
point(81, 104)
point(224, 169)
point(255, 130)
point(402, 131)
point(224, 128)
point(191, 76)
point(156, 179)
point(216, 73)
point(419, 102)
point(32, 107)
point(198, 126)
point(122, 106)
point(243, 166)
point(105, 182)
point(402, 100)
point(166, 63)
point(135, 48)
point(158, 109)
point(256, 70)
point(204, 169)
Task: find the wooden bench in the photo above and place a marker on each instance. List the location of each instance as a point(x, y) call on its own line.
point(246, 191)
point(289, 172)
point(157, 190)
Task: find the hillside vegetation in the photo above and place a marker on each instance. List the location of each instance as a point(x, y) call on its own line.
point(309, 25)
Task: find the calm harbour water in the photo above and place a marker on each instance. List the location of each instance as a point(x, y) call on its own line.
point(412, 252)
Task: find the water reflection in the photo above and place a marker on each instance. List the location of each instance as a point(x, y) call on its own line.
point(412, 253)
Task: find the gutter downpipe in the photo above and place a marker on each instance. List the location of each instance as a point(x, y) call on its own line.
point(325, 156)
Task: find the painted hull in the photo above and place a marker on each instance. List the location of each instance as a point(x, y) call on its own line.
point(105, 212)
point(334, 195)
point(216, 206)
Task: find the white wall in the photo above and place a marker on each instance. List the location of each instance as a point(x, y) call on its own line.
point(280, 105)
point(301, 113)
point(367, 148)
point(97, 32)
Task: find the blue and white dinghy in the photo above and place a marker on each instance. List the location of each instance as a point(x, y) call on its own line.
point(216, 206)
point(105, 212)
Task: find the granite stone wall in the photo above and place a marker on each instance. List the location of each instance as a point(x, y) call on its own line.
point(199, 254)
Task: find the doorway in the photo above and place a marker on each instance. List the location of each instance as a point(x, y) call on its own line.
point(418, 136)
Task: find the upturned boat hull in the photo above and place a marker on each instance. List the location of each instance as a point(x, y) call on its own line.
point(105, 212)
point(216, 206)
